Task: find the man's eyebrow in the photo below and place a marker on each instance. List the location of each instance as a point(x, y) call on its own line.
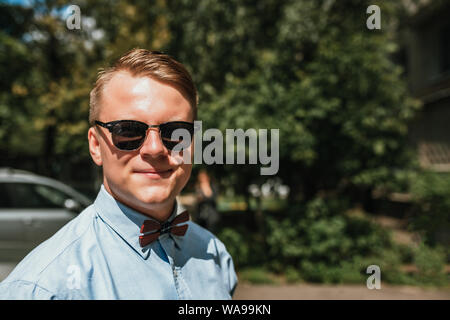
point(177, 119)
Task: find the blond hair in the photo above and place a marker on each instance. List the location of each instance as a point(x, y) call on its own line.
point(152, 64)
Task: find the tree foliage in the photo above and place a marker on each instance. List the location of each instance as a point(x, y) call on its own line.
point(309, 68)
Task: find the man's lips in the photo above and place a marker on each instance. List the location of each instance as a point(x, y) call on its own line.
point(155, 173)
point(152, 171)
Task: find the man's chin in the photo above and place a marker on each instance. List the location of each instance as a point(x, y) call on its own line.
point(153, 196)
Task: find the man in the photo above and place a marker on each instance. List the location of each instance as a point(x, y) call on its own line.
point(132, 242)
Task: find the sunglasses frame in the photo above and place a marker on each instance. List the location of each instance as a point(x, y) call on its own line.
point(110, 125)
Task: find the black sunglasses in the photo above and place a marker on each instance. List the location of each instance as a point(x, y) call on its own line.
point(129, 135)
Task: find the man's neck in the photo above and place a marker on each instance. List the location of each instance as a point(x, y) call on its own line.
point(162, 214)
point(158, 211)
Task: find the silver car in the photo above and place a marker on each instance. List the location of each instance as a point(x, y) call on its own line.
point(32, 209)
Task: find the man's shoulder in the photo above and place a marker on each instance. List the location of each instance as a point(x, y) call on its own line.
point(52, 256)
point(198, 233)
point(203, 243)
point(199, 237)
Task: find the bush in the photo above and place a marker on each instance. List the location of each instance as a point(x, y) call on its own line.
point(257, 275)
point(389, 261)
point(320, 241)
point(245, 247)
point(323, 273)
point(430, 263)
point(431, 204)
point(236, 246)
point(292, 275)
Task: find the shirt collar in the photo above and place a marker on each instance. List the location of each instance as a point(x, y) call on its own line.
point(127, 222)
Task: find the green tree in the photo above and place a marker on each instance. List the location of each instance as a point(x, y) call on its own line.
point(309, 68)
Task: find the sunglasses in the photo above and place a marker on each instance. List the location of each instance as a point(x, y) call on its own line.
point(128, 135)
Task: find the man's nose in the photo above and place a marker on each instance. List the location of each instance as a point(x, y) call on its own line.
point(153, 146)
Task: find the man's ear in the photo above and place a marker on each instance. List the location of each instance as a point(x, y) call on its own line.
point(94, 146)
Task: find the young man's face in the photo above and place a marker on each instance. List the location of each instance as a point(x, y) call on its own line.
point(127, 174)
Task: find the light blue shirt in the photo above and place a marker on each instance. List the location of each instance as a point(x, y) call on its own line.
point(97, 255)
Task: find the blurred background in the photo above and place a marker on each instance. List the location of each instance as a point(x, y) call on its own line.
point(363, 115)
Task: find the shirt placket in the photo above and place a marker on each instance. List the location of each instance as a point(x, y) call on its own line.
point(168, 246)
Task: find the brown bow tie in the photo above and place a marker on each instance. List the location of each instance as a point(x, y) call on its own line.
point(160, 228)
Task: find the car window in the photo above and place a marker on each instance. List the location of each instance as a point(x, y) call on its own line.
point(29, 195)
point(5, 201)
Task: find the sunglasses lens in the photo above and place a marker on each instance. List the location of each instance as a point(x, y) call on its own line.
point(171, 135)
point(129, 135)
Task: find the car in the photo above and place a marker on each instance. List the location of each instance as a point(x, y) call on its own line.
point(32, 209)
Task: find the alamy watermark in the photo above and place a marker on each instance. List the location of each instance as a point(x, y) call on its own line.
point(222, 150)
point(374, 281)
point(73, 21)
point(374, 20)
point(74, 277)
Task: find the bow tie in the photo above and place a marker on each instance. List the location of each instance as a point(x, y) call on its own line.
point(160, 228)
